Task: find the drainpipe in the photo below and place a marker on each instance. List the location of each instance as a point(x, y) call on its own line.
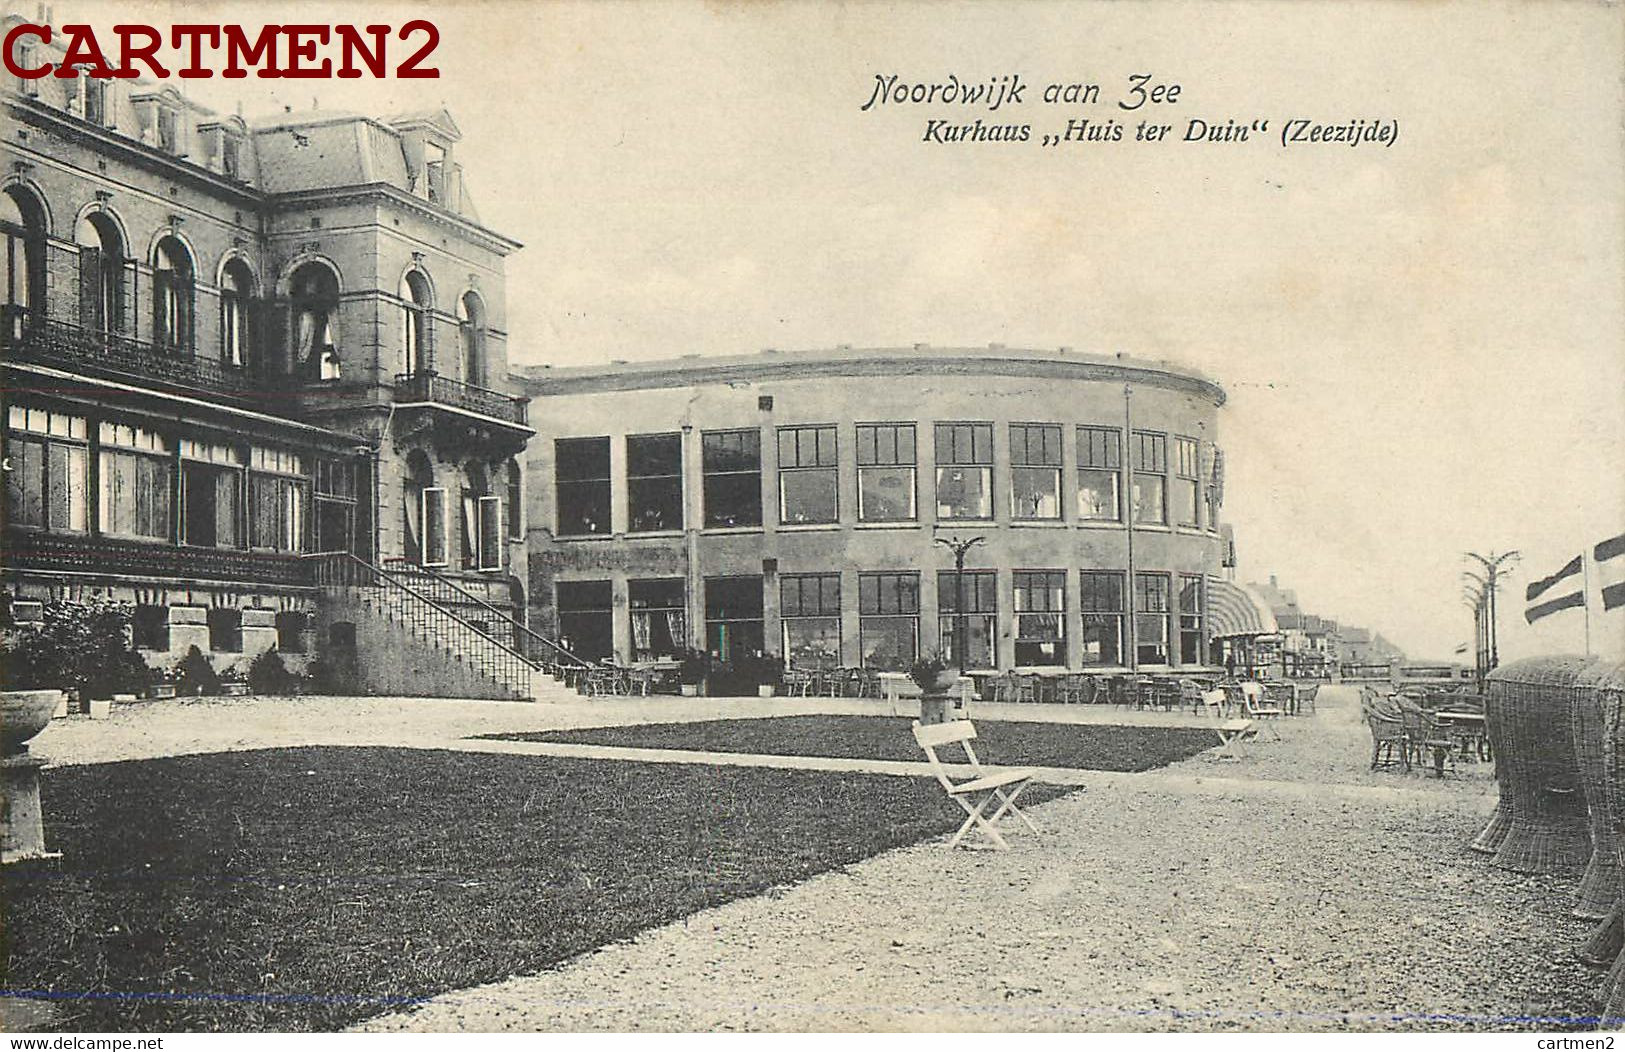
point(1129, 635)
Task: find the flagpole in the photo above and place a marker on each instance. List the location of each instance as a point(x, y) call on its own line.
point(1585, 594)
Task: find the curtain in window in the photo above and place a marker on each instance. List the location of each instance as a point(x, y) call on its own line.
point(642, 625)
point(677, 625)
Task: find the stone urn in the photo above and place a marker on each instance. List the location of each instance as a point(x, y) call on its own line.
point(936, 701)
point(23, 714)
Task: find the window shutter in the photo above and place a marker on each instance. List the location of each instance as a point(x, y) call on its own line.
point(434, 526)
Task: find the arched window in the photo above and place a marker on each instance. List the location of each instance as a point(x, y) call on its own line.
point(315, 293)
point(22, 261)
point(471, 334)
point(424, 511)
point(172, 295)
point(236, 288)
point(414, 323)
point(101, 273)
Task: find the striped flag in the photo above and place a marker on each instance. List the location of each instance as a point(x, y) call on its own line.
point(1559, 591)
point(1609, 560)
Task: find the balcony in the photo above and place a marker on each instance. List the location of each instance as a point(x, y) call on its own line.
point(46, 341)
point(28, 550)
point(430, 388)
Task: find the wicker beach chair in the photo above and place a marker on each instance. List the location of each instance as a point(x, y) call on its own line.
point(1530, 719)
point(1607, 681)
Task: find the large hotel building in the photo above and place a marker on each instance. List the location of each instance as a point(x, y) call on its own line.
point(229, 346)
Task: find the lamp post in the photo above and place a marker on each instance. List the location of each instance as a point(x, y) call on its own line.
point(1492, 565)
point(959, 548)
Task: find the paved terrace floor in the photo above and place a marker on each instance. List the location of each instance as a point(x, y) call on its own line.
point(1293, 890)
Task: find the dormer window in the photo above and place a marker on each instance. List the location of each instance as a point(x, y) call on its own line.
point(434, 167)
point(93, 99)
point(168, 130)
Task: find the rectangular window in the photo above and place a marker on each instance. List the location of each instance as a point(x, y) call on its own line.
point(654, 482)
point(490, 533)
point(731, 462)
point(889, 620)
point(1100, 474)
point(964, 471)
point(807, 475)
point(1035, 471)
point(292, 628)
point(225, 629)
point(1187, 483)
point(276, 513)
point(810, 606)
point(1100, 598)
point(659, 618)
point(1190, 619)
point(886, 471)
point(1150, 461)
point(434, 526)
point(733, 617)
point(981, 606)
point(581, 467)
point(336, 502)
point(1040, 617)
point(47, 486)
point(585, 614)
point(136, 482)
point(1151, 612)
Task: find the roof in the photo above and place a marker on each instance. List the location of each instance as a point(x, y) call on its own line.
point(844, 360)
point(1236, 610)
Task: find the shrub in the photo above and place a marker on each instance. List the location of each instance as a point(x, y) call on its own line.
point(79, 645)
point(267, 674)
point(332, 672)
point(194, 674)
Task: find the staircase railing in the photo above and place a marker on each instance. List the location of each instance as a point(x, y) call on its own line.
point(536, 647)
point(414, 608)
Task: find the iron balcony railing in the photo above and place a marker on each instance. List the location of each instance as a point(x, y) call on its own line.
point(26, 549)
point(537, 648)
point(410, 606)
point(47, 341)
point(429, 386)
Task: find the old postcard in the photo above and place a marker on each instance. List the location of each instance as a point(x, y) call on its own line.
point(799, 517)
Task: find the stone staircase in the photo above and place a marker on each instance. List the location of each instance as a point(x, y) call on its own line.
point(420, 634)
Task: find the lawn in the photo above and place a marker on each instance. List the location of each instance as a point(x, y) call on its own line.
point(1092, 747)
point(305, 889)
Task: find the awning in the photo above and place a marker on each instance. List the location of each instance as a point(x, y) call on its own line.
point(1236, 610)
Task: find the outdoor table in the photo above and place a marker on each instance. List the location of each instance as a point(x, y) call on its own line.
point(1469, 727)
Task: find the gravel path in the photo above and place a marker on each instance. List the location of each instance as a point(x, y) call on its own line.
point(1296, 890)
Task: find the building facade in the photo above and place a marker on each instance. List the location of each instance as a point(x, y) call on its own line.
point(231, 345)
point(792, 503)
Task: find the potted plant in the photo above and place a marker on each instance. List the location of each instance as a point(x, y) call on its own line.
point(233, 682)
point(768, 672)
point(162, 684)
point(935, 678)
point(692, 672)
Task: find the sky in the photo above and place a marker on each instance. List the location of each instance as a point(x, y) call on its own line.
point(1423, 344)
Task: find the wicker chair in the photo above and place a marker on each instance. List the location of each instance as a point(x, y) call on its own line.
point(1599, 888)
point(798, 682)
point(1387, 742)
point(1608, 682)
point(1190, 696)
point(1541, 815)
point(1423, 736)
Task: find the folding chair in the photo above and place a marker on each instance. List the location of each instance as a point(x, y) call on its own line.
point(975, 794)
point(1253, 698)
